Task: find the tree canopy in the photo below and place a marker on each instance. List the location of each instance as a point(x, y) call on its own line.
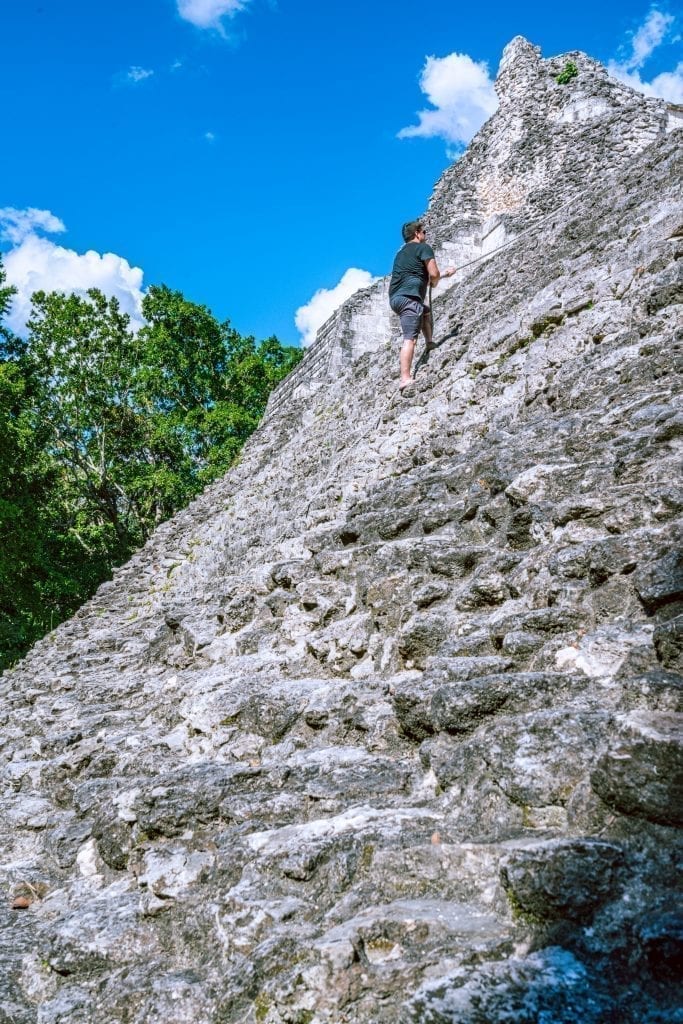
point(105, 432)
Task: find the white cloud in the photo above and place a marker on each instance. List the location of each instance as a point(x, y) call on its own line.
point(462, 94)
point(649, 36)
point(668, 85)
point(34, 263)
point(208, 13)
point(313, 315)
point(210, 136)
point(15, 224)
point(136, 74)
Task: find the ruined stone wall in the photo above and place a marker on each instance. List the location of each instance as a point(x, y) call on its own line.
point(545, 143)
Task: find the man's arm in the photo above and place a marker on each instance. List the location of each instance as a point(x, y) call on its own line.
point(435, 274)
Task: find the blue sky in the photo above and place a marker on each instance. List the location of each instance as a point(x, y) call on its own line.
point(247, 152)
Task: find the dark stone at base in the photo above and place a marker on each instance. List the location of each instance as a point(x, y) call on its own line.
point(565, 878)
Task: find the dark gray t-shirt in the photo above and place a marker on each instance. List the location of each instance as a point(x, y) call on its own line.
point(409, 274)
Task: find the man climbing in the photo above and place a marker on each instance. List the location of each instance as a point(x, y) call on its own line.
point(414, 268)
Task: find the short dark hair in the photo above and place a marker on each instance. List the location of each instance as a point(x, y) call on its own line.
point(410, 229)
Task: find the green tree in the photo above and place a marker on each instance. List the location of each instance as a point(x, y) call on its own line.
point(83, 356)
point(205, 385)
point(43, 572)
point(106, 432)
point(6, 293)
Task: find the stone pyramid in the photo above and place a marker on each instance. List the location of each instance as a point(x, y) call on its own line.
point(383, 727)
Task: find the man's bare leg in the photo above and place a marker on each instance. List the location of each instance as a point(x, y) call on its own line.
point(407, 353)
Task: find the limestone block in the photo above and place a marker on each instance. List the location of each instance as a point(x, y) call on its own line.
point(87, 940)
point(562, 877)
point(343, 643)
point(668, 642)
point(538, 758)
point(521, 642)
point(421, 637)
point(660, 582)
point(461, 707)
point(447, 670)
point(549, 985)
point(411, 699)
point(168, 871)
point(654, 690)
point(189, 797)
point(641, 773)
point(534, 483)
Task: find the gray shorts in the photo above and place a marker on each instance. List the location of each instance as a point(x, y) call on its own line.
point(411, 311)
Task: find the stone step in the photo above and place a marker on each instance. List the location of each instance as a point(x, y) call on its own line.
point(414, 928)
point(553, 982)
point(438, 869)
point(458, 702)
point(641, 773)
point(17, 945)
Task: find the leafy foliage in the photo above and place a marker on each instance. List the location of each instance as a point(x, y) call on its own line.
point(104, 433)
point(568, 72)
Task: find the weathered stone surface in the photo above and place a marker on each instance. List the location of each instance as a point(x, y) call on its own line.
point(412, 700)
point(641, 772)
point(656, 690)
point(661, 939)
point(562, 877)
point(461, 707)
point(551, 985)
point(275, 770)
point(661, 582)
point(668, 642)
point(422, 636)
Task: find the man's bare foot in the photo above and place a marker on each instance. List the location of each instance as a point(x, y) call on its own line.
point(406, 384)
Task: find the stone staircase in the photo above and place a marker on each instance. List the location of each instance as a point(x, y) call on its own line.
point(383, 727)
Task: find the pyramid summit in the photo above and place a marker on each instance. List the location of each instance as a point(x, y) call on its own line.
point(386, 726)
point(546, 145)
